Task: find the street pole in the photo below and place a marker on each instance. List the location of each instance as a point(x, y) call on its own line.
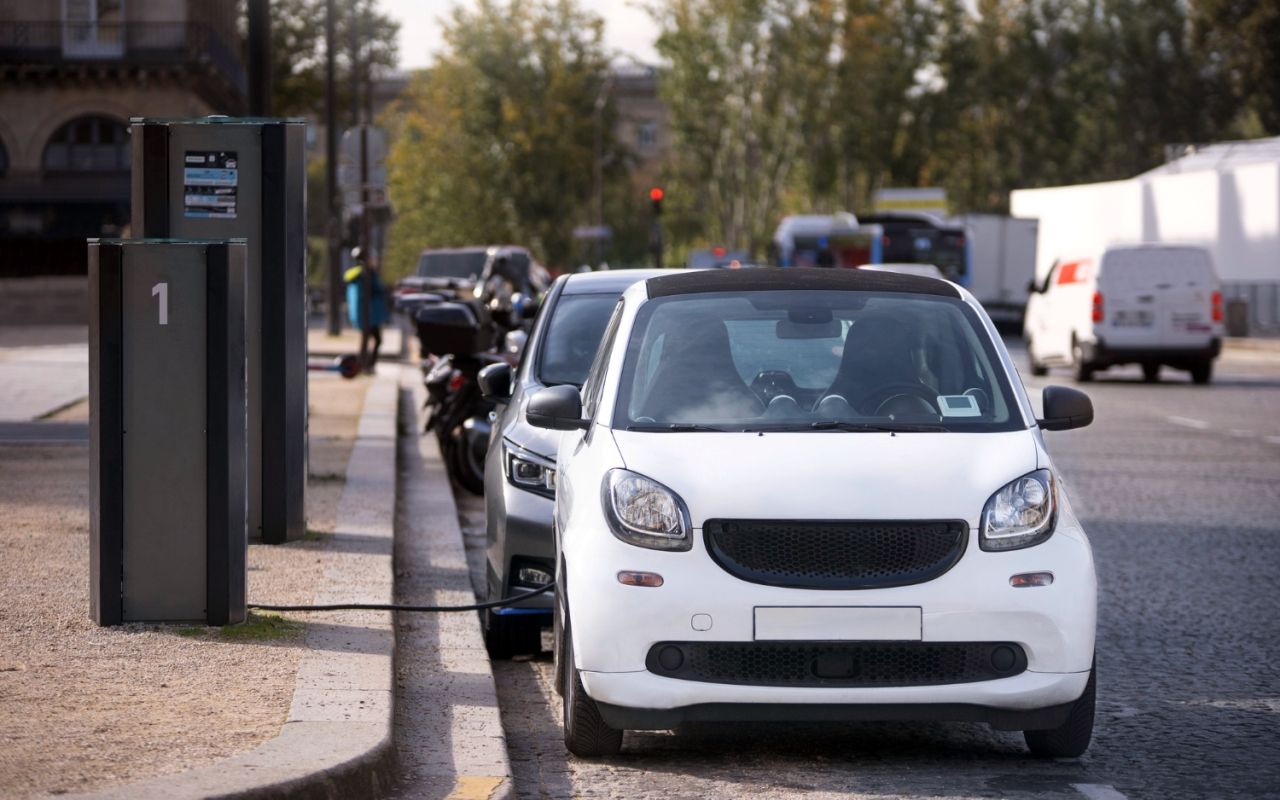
point(334, 259)
point(259, 13)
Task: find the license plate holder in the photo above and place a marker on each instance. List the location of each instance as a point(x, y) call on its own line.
point(838, 623)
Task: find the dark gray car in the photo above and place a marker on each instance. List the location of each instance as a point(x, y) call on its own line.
point(520, 467)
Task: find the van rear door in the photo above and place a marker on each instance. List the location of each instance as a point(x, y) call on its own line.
point(1158, 297)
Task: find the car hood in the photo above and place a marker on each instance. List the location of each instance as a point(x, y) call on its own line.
point(831, 475)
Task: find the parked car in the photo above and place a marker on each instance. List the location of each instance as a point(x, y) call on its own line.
point(520, 465)
point(888, 540)
point(451, 268)
point(1151, 304)
point(921, 270)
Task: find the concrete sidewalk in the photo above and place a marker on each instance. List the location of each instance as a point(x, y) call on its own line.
point(42, 369)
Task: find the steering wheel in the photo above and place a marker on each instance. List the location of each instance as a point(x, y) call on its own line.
point(880, 397)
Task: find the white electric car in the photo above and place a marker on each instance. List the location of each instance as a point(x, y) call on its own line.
point(814, 495)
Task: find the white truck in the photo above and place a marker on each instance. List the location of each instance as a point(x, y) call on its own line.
point(1002, 263)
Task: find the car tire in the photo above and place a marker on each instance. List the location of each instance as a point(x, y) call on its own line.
point(1151, 373)
point(466, 469)
point(1202, 373)
point(1072, 738)
point(586, 734)
point(506, 637)
point(1038, 369)
point(1082, 370)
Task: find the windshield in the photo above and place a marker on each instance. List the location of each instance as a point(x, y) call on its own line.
point(572, 337)
point(812, 360)
point(465, 264)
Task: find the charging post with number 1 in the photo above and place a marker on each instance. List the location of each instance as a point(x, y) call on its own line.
point(168, 431)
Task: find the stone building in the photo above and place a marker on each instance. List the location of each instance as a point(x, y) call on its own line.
point(72, 73)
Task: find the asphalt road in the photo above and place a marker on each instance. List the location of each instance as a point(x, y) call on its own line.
point(1179, 488)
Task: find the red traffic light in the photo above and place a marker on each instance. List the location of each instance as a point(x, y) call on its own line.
point(656, 194)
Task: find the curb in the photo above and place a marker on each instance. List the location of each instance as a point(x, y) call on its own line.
point(338, 740)
point(453, 742)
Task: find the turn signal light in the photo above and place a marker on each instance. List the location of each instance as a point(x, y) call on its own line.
point(650, 579)
point(1031, 579)
point(1217, 306)
point(1097, 307)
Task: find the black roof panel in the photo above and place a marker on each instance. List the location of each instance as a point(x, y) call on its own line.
point(796, 278)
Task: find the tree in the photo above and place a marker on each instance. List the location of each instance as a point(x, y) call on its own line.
point(1239, 40)
point(298, 57)
point(496, 142)
point(735, 88)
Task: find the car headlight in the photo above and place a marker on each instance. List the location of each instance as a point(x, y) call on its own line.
point(529, 472)
point(1021, 514)
point(645, 513)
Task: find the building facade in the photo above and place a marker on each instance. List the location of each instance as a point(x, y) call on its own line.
point(72, 74)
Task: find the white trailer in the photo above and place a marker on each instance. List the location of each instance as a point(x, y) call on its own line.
point(1002, 262)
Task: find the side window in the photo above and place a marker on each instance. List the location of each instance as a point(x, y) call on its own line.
point(592, 389)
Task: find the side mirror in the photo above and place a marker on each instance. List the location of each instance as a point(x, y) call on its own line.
point(1033, 287)
point(495, 382)
point(1065, 408)
point(558, 408)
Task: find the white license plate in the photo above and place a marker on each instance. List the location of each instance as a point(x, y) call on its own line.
point(1133, 319)
point(838, 624)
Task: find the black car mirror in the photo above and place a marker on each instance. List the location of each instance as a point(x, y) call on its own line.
point(1065, 408)
point(558, 408)
point(495, 382)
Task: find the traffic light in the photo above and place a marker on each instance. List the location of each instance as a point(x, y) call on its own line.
point(655, 196)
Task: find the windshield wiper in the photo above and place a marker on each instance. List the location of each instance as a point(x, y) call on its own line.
point(867, 427)
point(676, 427)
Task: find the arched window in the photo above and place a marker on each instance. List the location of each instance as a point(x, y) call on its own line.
point(88, 144)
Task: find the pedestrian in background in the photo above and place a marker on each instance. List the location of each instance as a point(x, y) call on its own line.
point(366, 307)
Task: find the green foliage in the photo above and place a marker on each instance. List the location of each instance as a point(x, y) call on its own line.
point(809, 106)
point(298, 51)
point(261, 626)
point(496, 142)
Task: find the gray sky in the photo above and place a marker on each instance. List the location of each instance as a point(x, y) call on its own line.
point(628, 30)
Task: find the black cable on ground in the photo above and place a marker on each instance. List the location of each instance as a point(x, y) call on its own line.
point(506, 601)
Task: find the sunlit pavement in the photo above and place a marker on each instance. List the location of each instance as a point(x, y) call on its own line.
point(1179, 487)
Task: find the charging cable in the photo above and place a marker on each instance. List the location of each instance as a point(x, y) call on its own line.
point(506, 601)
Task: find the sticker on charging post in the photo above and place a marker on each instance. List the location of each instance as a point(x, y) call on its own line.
point(209, 184)
point(958, 405)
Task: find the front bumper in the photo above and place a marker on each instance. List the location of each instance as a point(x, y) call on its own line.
point(520, 535)
point(615, 626)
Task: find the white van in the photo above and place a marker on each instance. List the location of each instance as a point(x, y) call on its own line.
point(1149, 304)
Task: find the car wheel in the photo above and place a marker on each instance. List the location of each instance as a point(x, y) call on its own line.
point(467, 468)
point(1151, 373)
point(1037, 369)
point(1202, 373)
point(1073, 737)
point(585, 732)
point(1083, 370)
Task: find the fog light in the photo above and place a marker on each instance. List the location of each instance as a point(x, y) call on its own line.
point(670, 658)
point(1031, 579)
point(532, 576)
point(650, 579)
point(1003, 658)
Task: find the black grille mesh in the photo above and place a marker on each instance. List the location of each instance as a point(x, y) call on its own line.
point(835, 555)
point(846, 664)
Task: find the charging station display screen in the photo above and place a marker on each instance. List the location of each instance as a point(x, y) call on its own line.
point(209, 184)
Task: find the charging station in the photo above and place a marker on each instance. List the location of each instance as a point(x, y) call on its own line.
point(222, 178)
point(167, 431)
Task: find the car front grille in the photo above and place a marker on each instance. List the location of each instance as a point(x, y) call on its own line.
point(835, 555)
point(836, 664)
